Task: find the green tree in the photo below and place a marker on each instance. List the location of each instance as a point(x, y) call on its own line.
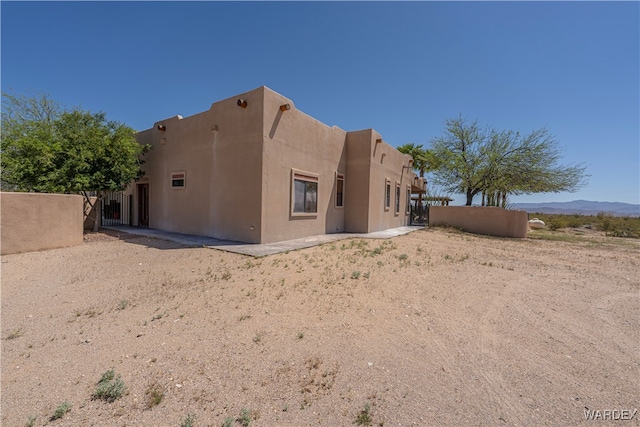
point(48, 149)
point(496, 163)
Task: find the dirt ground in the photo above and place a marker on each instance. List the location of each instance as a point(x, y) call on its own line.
point(435, 328)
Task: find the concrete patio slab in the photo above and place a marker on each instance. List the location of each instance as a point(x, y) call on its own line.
point(258, 250)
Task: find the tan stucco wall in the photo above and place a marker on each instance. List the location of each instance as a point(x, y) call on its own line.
point(223, 171)
point(492, 221)
point(37, 221)
point(387, 163)
point(295, 140)
point(239, 163)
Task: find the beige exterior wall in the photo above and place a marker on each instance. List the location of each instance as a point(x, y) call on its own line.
point(239, 164)
point(296, 141)
point(371, 164)
point(492, 221)
point(37, 221)
point(220, 151)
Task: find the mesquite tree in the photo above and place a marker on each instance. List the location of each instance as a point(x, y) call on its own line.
point(474, 160)
point(48, 149)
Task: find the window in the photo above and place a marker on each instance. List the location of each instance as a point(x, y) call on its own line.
point(397, 198)
point(178, 179)
point(304, 193)
point(339, 190)
point(408, 199)
point(387, 195)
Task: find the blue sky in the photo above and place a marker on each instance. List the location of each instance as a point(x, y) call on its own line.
point(400, 68)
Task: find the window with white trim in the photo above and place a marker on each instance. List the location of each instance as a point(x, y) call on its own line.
point(397, 198)
point(304, 193)
point(339, 190)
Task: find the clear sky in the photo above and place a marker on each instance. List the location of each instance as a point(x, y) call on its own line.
point(400, 68)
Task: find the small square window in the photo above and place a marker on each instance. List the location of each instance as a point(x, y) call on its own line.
point(178, 179)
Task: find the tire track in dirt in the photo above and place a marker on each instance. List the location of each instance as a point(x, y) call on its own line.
point(489, 385)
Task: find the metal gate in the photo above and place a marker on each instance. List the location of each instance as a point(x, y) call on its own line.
point(419, 217)
point(116, 208)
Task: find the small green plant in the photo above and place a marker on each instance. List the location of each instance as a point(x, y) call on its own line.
point(188, 420)
point(155, 394)
point(355, 274)
point(226, 275)
point(403, 257)
point(31, 421)
point(110, 387)
point(17, 333)
point(61, 411)
point(300, 335)
point(257, 337)
point(556, 224)
point(158, 316)
point(366, 275)
point(364, 416)
point(123, 304)
point(228, 422)
point(246, 416)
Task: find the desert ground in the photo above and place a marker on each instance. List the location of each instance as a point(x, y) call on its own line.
point(434, 328)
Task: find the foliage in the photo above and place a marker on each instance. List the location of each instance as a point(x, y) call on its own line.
point(61, 411)
point(155, 394)
point(364, 416)
point(423, 160)
point(476, 160)
point(110, 387)
point(48, 149)
point(188, 421)
point(613, 226)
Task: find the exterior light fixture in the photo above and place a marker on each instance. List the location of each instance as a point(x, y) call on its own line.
point(285, 107)
point(242, 103)
point(214, 128)
point(378, 141)
point(162, 128)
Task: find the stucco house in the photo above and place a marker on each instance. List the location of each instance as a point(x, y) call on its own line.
point(253, 168)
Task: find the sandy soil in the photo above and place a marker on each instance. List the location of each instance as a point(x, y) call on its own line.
point(432, 328)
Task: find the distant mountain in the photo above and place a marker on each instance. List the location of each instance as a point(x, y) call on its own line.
point(582, 207)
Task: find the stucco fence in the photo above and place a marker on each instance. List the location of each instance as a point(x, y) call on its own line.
point(492, 221)
point(37, 221)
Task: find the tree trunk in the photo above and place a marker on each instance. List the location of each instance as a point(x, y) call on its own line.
point(470, 195)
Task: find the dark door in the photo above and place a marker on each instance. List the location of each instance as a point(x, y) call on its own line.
point(143, 205)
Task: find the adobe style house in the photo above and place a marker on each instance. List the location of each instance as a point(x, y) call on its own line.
point(255, 169)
